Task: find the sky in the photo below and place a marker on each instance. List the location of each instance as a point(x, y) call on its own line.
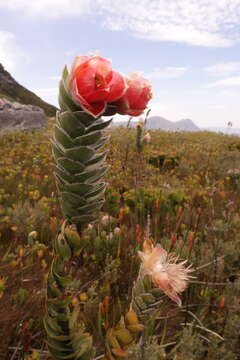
point(188, 49)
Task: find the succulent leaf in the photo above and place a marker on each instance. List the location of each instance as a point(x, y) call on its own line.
point(79, 171)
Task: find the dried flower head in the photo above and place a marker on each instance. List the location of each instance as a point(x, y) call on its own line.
point(33, 234)
point(171, 277)
point(90, 227)
point(117, 231)
point(147, 138)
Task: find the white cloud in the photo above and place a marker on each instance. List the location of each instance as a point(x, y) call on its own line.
point(170, 111)
point(218, 107)
point(230, 81)
point(46, 91)
point(50, 95)
point(54, 9)
point(212, 23)
point(12, 57)
point(224, 69)
point(159, 108)
point(55, 77)
point(166, 73)
point(10, 53)
point(205, 23)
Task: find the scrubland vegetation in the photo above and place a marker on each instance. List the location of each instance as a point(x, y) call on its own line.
point(180, 189)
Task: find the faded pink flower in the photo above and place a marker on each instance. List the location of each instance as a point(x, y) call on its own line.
point(147, 138)
point(171, 277)
point(106, 220)
point(117, 231)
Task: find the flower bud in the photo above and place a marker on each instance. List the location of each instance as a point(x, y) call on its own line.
point(83, 297)
point(131, 318)
point(140, 123)
point(117, 231)
point(106, 219)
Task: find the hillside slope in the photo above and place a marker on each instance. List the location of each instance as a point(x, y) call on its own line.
point(13, 91)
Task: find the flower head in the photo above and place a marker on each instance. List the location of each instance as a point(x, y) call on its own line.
point(117, 231)
point(147, 138)
point(93, 83)
point(33, 234)
point(137, 96)
point(171, 277)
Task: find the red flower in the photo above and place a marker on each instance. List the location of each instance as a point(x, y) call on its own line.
point(93, 83)
point(135, 99)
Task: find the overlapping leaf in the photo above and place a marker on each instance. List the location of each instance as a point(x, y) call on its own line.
point(79, 166)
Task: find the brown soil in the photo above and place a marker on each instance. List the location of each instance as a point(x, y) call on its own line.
point(21, 320)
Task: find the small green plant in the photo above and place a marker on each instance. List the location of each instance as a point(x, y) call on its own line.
point(79, 170)
point(21, 296)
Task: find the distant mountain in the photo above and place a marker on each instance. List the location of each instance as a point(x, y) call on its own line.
point(11, 90)
point(186, 125)
point(158, 122)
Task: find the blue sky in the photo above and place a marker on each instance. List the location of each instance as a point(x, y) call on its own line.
point(189, 49)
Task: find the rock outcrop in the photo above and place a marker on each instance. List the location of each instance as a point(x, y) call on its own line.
point(16, 116)
point(11, 90)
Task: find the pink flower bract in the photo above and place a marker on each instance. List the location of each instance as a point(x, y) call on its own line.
point(137, 96)
point(93, 83)
point(171, 277)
